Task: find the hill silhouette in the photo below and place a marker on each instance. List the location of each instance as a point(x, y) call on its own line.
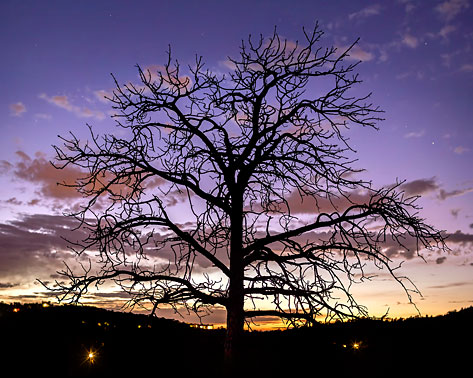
point(79, 341)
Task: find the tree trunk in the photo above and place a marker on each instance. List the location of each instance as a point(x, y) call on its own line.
point(235, 306)
point(233, 337)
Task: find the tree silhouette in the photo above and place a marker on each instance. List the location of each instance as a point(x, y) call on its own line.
point(237, 191)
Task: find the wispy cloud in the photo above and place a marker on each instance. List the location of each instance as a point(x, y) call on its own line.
point(43, 116)
point(409, 5)
point(468, 67)
point(414, 134)
point(450, 285)
point(459, 237)
point(357, 53)
point(430, 185)
point(170, 76)
point(461, 150)
point(420, 186)
point(410, 41)
point(63, 102)
point(33, 246)
point(38, 170)
point(451, 8)
point(443, 194)
point(455, 212)
point(371, 10)
point(446, 31)
point(17, 109)
point(102, 95)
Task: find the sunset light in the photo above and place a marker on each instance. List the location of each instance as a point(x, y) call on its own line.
point(241, 189)
point(313, 160)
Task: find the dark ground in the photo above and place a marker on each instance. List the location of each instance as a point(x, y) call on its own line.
point(55, 341)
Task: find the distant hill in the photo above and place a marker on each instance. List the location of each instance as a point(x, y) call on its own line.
point(86, 341)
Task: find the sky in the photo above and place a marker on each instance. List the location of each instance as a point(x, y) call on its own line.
point(416, 59)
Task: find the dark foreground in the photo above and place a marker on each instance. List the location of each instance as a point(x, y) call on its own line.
point(57, 340)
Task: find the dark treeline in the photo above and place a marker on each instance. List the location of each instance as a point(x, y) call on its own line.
point(57, 340)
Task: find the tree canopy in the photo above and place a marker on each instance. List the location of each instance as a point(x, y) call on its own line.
point(239, 190)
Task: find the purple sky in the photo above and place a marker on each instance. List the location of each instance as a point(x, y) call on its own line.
point(417, 59)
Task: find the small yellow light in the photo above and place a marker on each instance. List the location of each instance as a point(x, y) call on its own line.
point(91, 356)
point(16, 309)
point(356, 346)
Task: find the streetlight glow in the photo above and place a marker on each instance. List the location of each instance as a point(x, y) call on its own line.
point(91, 355)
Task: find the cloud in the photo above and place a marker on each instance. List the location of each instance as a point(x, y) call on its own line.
point(466, 67)
point(38, 170)
point(392, 249)
point(33, 246)
point(103, 95)
point(408, 250)
point(170, 80)
point(409, 5)
point(443, 194)
point(356, 53)
point(5, 166)
point(43, 116)
point(460, 150)
point(58, 185)
point(429, 185)
point(446, 31)
point(7, 285)
point(410, 41)
point(451, 8)
point(420, 186)
point(371, 10)
point(440, 260)
point(415, 134)
point(13, 201)
point(449, 285)
point(455, 212)
point(450, 59)
point(459, 237)
point(113, 294)
point(311, 205)
point(17, 109)
point(64, 103)
point(227, 63)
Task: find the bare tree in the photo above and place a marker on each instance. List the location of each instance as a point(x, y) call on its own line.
point(241, 154)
